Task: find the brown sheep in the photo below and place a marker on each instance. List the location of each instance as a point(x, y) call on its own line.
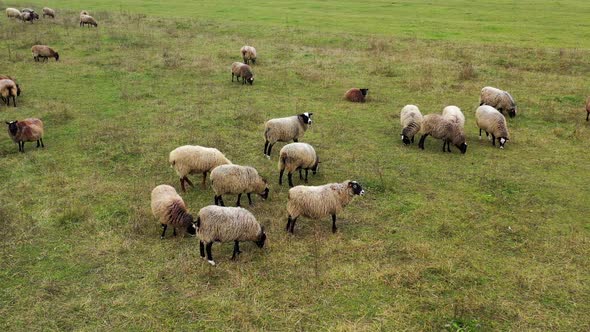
point(45, 52)
point(242, 70)
point(356, 95)
point(28, 130)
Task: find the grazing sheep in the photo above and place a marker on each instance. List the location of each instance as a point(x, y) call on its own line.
point(587, 108)
point(194, 159)
point(8, 89)
point(87, 20)
point(449, 131)
point(236, 179)
point(13, 13)
point(27, 16)
point(169, 208)
point(493, 122)
point(242, 70)
point(499, 99)
point(297, 156)
point(320, 201)
point(285, 130)
point(28, 130)
point(45, 52)
point(248, 53)
point(6, 77)
point(48, 12)
point(356, 95)
point(411, 121)
point(225, 224)
point(454, 114)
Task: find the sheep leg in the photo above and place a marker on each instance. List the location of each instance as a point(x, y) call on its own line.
point(412, 139)
point(209, 256)
point(221, 201)
point(444, 145)
point(290, 176)
point(232, 77)
point(249, 199)
point(306, 173)
point(182, 184)
point(587, 115)
point(174, 231)
point(493, 140)
point(334, 223)
point(14, 101)
point(300, 175)
point(22, 147)
point(265, 147)
point(188, 181)
point(164, 227)
point(41, 139)
point(296, 140)
point(236, 250)
point(292, 222)
point(269, 149)
point(38, 144)
point(202, 249)
point(204, 185)
point(281, 177)
point(239, 198)
point(479, 133)
point(421, 143)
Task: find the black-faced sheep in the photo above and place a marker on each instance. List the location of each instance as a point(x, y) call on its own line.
point(169, 208)
point(297, 156)
point(248, 54)
point(236, 179)
point(242, 70)
point(356, 95)
point(13, 13)
point(27, 16)
point(8, 88)
point(320, 201)
point(439, 127)
point(6, 77)
point(45, 52)
point(27, 130)
point(48, 12)
point(194, 159)
point(499, 99)
point(87, 20)
point(411, 121)
point(285, 130)
point(226, 224)
point(454, 114)
point(493, 122)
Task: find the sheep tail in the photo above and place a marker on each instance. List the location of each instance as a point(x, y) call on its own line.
point(282, 162)
point(266, 133)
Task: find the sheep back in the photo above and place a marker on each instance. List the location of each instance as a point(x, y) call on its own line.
point(236, 179)
point(317, 202)
point(224, 224)
point(356, 95)
point(411, 121)
point(454, 114)
point(297, 155)
point(169, 208)
point(195, 159)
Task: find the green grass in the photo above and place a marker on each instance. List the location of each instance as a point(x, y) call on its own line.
point(491, 240)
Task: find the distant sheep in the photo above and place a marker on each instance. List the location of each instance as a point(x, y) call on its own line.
point(297, 156)
point(169, 208)
point(45, 52)
point(411, 121)
point(248, 54)
point(320, 201)
point(356, 95)
point(84, 12)
point(195, 159)
point(27, 16)
point(8, 88)
point(13, 13)
point(237, 180)
point(439, 127)
point(242, 70)
point(6, 77)
point(226, 224)
point(587, 108)
point(87, 20)
point(493, 122)
point(28, 130)
point(499, 99)
point(48, 12)
point(285, 130)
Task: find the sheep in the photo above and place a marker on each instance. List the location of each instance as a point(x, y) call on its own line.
point(248, 53)
point(493, 122)
point(84, 12)
point(320, 201)
point(411, 121)
point(439, 127)
point(236, 179)
point(297, 156)
point(285, 130)
point(242, 70)
point(8, 89)
point(356, 95)
point(28, 130)
point(6, 77)
point(499, 99)
point(454, 114)
point(13, 13)
point(27, 16)
point(169, 208)
point(225, 224)
point(87, 20)
point(195, 159)
point(587, 108)
point(48, 12)
point(45, 52)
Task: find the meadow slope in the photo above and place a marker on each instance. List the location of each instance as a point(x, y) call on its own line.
point(490, 240)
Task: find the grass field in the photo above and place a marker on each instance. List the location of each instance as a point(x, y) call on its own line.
point(490, 240)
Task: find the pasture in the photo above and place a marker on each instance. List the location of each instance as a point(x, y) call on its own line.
point(490, 240)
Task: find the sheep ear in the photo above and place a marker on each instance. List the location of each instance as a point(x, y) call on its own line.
point(310, 114)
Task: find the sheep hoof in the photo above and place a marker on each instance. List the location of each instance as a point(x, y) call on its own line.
point(479, 137)
point(211, 262)
point(501, 147)
point(267, 157)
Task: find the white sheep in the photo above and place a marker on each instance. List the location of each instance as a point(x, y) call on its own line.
point(48, 12)
point(297, 156)
point(285, 130)
point(411, 121)
point(493, 122)
point(236, 179)
point(195, 159)
point(454, 114)
point(169, 208)
point(13, 13)
point(87, 20)
point(248, 54)
point(226, 224)
point(439, 127)
point(8, 88)
point(320, 201)
point(499, 99)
